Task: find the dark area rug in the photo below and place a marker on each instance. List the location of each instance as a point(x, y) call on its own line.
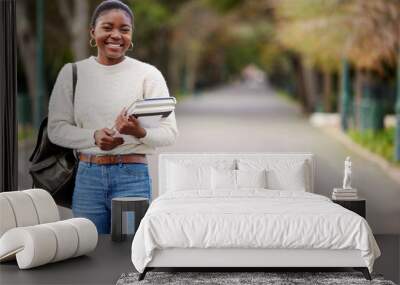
point(273, 278)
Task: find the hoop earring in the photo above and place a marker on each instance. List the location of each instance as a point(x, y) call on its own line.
point(91, 43)
point(131, 46)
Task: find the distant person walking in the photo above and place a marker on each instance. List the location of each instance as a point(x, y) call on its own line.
point(112, 164)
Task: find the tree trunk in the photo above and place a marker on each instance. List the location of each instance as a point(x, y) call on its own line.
point(27, 47)
point(310, 80)
point(397, 109)
point(76, 20)
point(300, 88)
point(358, 83)
point(344, 101)
point(175, 64)
point(327, 92)
point(173, 72)
point(192, 54)
point(191, 63)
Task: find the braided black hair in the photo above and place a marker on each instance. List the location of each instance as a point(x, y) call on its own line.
point(109, 5)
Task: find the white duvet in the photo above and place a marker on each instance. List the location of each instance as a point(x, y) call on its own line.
point(250, 219)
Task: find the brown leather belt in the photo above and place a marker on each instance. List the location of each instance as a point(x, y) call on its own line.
point(113, 159)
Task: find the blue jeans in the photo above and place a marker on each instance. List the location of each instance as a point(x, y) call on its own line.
point(97, 184)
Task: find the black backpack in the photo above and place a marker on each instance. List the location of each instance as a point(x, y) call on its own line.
point(54, 167)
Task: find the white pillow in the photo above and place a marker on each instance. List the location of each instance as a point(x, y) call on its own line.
point(227, 179)
point(217, 163)
point(292, 179)
point(188, 177)
point(251, 178)
point(223, 179)
point(282, 174)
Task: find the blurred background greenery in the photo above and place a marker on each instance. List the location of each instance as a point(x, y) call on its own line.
point(329, 55)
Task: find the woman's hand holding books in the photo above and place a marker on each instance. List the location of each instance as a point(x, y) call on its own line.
point(105, 140)
point(129, 125)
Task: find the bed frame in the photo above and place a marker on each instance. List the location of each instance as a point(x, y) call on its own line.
point(244, 259)
point(249, 258)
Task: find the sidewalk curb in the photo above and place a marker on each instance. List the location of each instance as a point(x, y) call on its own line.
point(391, 170)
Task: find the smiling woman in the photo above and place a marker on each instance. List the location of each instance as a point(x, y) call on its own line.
point(111, 29)
point(93, 122)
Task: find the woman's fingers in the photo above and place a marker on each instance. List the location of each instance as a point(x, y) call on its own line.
point(108, 136)
point(133, 119)
point(112, 140)
point(118, 141)
point(122, 120)
point(105, 140)
point(109, 132)
point(122, 113)
point(113, 144)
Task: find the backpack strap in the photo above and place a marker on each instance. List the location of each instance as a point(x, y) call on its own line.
point(43, 125)
point(74, 80)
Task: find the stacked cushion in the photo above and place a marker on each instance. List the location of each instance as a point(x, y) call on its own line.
point(7, 218)
point(37, 245)
point(31, 232)
point(26, 208)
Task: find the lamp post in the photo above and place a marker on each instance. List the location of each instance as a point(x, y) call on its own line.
point(38, 107)
point(8, 97)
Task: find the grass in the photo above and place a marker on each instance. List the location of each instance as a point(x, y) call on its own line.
point(285, 95)
point(26, 133)
point(380, 142)
point(180, 95)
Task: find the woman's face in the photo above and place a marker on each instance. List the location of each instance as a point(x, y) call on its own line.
point(113, 35)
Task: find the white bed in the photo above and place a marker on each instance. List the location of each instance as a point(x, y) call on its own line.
point(193, 225)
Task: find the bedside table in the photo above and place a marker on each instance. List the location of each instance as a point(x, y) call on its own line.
point(358, 206)
point(126, 205)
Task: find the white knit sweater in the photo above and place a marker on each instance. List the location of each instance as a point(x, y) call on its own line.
point(101, 93)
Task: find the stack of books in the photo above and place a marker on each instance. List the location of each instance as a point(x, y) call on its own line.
point(344, 194)
point(152, 107)
point(150, 111)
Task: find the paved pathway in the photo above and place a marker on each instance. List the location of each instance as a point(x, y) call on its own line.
point(240, 118)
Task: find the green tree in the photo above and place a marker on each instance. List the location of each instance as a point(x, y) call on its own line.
point(366, 33)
